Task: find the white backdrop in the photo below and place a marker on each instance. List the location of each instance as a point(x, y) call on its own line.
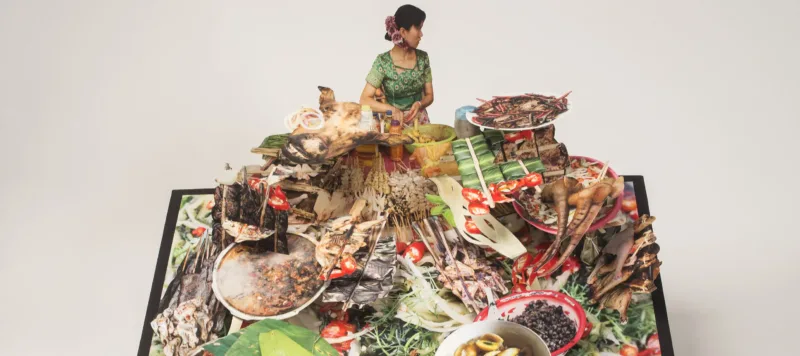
point(107, 106)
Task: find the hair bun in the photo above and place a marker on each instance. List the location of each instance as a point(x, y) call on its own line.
point(387, 37)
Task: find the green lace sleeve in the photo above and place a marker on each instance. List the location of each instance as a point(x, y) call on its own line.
point(427, 73)
point(376, 74)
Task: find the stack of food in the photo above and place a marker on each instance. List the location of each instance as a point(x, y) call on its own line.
point(393, 258)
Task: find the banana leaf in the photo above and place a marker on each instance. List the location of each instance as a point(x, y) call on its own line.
point(246, 341)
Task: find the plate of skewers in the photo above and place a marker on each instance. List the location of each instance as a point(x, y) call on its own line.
point(518, 112)
point(586, 171)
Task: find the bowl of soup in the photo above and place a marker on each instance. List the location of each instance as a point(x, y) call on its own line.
point(493, 338)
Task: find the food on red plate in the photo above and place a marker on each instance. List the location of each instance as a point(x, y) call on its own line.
point(550, 322)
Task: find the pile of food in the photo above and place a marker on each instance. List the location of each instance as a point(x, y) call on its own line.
point(325, 250)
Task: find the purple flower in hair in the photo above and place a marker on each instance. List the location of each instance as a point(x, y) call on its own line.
point(397, 38)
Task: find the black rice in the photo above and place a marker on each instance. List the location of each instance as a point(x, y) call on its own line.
point(549, 322)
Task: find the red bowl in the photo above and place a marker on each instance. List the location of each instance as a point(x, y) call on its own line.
point(514, 304)
point(599, 222)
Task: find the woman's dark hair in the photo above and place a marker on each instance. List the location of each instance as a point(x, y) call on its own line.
point(407, 16)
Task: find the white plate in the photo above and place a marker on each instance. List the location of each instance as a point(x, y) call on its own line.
point(235, 312)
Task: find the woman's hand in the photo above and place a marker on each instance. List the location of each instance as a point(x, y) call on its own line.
point(412, 113)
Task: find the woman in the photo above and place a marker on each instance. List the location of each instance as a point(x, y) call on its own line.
point(403, 74)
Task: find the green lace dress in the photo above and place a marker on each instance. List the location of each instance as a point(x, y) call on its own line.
point(403, 89)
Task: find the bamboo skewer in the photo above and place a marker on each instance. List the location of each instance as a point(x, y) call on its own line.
point(486, 192)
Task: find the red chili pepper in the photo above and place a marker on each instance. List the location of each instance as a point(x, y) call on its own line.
point(532, 179)
point(401, 246)
point(472, 195)
point(198, 231)
point(348, 265)
point(415, 251)
point(509, 187)
point(478, 208)
point(513, 137)
point(335, 274)
point(471, 227)
point(277, 200)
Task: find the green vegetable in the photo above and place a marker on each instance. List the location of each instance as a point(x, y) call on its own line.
point(246, 341)
point(275, 141)
point(607, 330)
point(513, 170)
point(438, 210)
point(434, 199)
point(448, 215)
point(276, 343)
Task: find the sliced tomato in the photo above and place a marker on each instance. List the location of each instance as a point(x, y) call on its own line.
point(629, 350)
point(498, 196)
point(277, 199)
point(210, 204)
point(654, 344)
point(472, 195)
point(532, 179)
point(628, 205)
point(509, 187)
point(415, 251)
point(348, 265)
point(571, 265)
point(471, 227)
point(198, 231)
point(478, 208)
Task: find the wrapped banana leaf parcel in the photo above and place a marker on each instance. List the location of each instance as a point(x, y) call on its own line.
point(373, 278)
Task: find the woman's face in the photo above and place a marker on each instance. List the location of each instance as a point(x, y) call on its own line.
point(413, 35)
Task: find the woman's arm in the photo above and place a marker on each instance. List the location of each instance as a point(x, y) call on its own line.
point(427, 96)
point(368, 98)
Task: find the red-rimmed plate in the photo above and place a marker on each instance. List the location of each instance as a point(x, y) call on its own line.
point(514, 304)
point(602, 219)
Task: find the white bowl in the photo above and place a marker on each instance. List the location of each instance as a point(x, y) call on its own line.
point(513, 334)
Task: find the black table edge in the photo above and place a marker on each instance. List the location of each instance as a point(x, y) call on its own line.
point(659, 304)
